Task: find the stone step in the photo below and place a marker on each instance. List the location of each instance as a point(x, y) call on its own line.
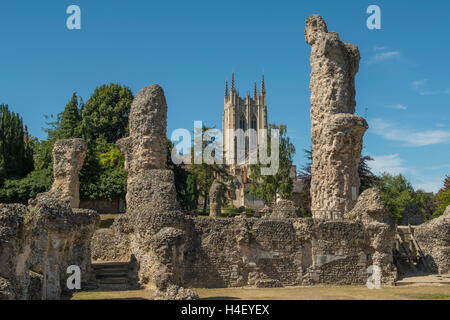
point(116, 269)
point(110, 271)
point(110, 265)
point(113, 280)
point(111, 275)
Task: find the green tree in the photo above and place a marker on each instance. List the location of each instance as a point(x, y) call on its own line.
point(105, 114)
point(266, 187)
point(443, 201)
point(397, 192)
point(367, 178)
point(191, 196)
point(204, 173)
point(104, 120)
point(443, 198)
point(69, 120)
point(16, 155)
point(187, 195)
point(103, 175)
point(22, 189)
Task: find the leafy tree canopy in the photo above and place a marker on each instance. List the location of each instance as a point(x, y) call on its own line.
point(105, 114)
point(266, 187)
point(16, 154)
point(397, 193)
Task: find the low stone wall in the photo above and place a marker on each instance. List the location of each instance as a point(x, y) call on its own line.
point(231, 252)
point(434, 240)
point(267, 253)
point(113, 244)
point(38, 243)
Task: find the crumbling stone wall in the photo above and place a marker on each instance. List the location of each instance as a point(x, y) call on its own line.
point(113, 244)
point(434, 240)
point(336, 133)
point(39, 242)
point(227, 252)
point(68, 158)
point(284, 209)
point(230, 252)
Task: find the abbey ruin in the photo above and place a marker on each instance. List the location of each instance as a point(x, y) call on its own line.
point(171, 252)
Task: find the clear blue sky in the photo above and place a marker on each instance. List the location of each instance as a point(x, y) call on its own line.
point(190, 47)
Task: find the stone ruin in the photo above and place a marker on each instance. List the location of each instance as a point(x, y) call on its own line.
point(68, 158)
point(145, 152)
point(39, 241)
point(171, 251)
point(155, 216)
point(434, 240)
point(216, 198)
point(336, 133)
point(174, 251)
point(284, 209)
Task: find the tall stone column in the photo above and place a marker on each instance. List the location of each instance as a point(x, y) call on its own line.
point(68, 158)
point(336, 133)
point(145, 152)
point(216, 195)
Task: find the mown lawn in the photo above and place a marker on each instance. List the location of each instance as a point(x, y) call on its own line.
point(291, 293)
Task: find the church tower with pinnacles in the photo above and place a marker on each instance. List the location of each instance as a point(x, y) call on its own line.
point(243, 113)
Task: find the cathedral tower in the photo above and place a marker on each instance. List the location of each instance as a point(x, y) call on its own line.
point(242, 113)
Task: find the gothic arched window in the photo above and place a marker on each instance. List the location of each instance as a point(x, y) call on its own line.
point(242, 123)
point(253, 123)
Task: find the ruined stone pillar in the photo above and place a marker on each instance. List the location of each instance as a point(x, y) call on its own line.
point(336, 133)
point(68, 158)
point(145, 152)
point(216, 195)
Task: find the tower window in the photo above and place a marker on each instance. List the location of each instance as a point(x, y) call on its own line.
point(242, 123)
point(253, 123)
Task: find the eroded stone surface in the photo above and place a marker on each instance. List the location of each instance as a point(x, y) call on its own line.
point(68, 158)
point(152, 230)
point(434, 239)
point(284, 209)
point(336, 133)
point(216, 197)
point(39, 242)
point(145, 149)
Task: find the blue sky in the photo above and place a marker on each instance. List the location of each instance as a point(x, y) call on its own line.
point(191, 47)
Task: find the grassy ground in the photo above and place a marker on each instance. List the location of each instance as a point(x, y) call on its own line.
point(292, 293)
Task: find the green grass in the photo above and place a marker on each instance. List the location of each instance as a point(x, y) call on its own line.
point(289, 293)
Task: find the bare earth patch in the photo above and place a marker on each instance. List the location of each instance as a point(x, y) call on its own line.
point(291, 293)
